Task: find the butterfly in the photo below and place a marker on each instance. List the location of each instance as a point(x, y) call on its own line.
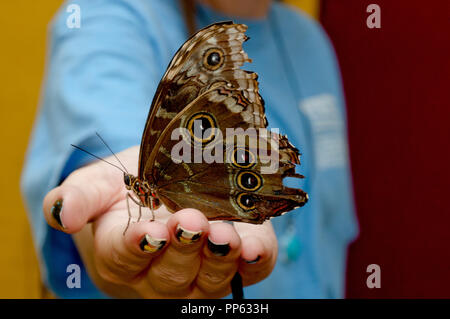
point(203, 93)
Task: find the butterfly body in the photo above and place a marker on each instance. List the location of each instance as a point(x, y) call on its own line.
point(143, 190)
point(202, 95)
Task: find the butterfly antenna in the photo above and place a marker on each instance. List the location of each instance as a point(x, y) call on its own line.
point(81, 149)
point(111, 151)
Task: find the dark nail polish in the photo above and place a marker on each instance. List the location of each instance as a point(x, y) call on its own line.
point(187, 236)
point(149, 244)
point(250, 262)
point(218, 249)
point(56, 212)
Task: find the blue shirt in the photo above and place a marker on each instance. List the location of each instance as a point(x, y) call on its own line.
point(102, 77)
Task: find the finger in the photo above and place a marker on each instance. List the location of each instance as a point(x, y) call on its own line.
point(258, 253)
point(122, 258)
point(172, 273)
point(220, 261)
point(83, 196)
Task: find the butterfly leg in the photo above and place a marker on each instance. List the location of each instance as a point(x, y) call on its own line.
point(129, 212)
point(151, 208)
point(140, 208)
point(140, 214)
point(129, 215)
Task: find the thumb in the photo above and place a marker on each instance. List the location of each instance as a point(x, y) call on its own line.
point(83, 196)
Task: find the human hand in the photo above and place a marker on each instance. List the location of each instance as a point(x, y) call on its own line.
point(179, 255)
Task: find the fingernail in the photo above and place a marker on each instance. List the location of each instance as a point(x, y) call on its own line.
point(149, 244)
point(250, 262)
point(218, 249)
point(187, 236)
point(56, 212)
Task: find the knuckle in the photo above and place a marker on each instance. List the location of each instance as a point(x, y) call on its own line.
point(106, 274)
point(120, 262)
point(171, 278)
point(213, 281)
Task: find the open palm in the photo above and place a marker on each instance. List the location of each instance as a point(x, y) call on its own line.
point(179, 255)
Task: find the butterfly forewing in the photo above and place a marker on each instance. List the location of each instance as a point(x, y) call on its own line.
point(190, 74)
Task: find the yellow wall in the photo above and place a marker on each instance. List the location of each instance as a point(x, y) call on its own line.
point(23, 27)
point(309, 6)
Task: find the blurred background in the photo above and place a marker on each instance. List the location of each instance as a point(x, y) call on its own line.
point(396, 80)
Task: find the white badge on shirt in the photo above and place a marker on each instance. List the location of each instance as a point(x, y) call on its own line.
point(328, 131)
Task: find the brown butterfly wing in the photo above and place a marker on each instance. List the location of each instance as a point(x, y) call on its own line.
point(217, 191)
point(227, 107)
point(227, 190)
point(191, 72)
point(204, 82)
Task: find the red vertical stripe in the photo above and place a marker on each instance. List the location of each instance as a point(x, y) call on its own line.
point(397, 85)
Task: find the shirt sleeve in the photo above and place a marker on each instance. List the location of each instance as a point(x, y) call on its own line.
point(99, 78)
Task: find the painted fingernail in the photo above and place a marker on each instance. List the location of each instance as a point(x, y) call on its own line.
point(187, 236)
point(218, 249)
point(148, 244)
point(250, 262)
point(56, 212)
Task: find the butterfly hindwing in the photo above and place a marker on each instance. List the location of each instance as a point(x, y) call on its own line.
point(223, 187)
